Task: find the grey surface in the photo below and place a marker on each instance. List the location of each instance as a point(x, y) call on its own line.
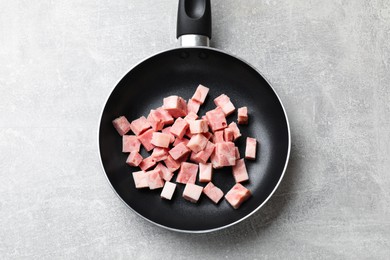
point(328, 60)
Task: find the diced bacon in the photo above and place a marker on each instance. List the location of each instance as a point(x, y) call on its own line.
point(167, 130)
point(218, 136)
point(130, 143)
point(155, 120)
point(121, 125)
point(165, 173)
point(193, 106)
point(237, 195)
point(192, 192)
point(194, 158)
point(178, 141)
point(250, 149)
point(213, 192)
point(179, 128)
point(204, 155)
point(197, 143)
point(187, 173)
point(237, 153)
point(176, 106)
point(134, 159)
point(240, 173)
point(242, 116)
point(224, 102)
point(179, 151)
point(140, 125)
point(141, 179)
point(184, 158)
point(161, 140)
point(165, 116)
point(216, 119)
point(228, 135)
point(214, 161)
point(147, 163)
point(198, 126)
point(205, 172)
point(236, 131)
point(191, 116)
point(225, 153)
point(160, 154)
point(200, 94)
point(146, 139)
point(172, 164)
point(168, 190)
point(208, 135)
point(155, 180)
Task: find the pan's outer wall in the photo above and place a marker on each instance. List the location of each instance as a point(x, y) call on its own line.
point(178, 72)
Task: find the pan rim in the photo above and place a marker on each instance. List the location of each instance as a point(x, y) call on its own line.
point(203, 230)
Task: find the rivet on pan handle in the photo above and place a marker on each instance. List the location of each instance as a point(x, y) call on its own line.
point(194, 23)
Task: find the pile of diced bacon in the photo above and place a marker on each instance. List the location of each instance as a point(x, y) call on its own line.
point(183, 142)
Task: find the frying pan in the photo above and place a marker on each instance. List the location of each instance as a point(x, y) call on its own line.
point(178, 72)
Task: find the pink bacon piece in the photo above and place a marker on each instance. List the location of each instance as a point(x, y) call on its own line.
point(223, 101)
point(155, 180)
point(160, 140)
point(130, 143)
point(240, 173)
point(205, 172)
point(250, 149)
point(147, 163)
point(134, 159)
point(178, 141)
point(187, 173)
point(172, 164)
point(168, 190)
point(225, 154)
point(213, 192)
point(192, 192)
point(121, 125)
point(197, 143)
point(141, 179)
point(155, 120)
point(167, 130)
point(140, 125)
point(165, 173)
point(242, 116)
point(146, 139)
point(237, 195)
point(228, 135)
point(160, 154)
point(216, 119)
point(175, 105)
point(236, 131)
point(204, 155)
point(179, 128)
point(200, 94)
point(193, 106)
point(179, 151)
point(198, 126)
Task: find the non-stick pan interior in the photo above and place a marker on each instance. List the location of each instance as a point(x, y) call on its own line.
point(178, 72)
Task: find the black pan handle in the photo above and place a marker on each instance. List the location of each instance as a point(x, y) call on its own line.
point(194, 18)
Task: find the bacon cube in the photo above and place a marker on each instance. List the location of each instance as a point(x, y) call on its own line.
point(228, 135)
point(204, 155)
point(224, 102)
point(165, 173)
point(216, 119)
point(155, 180)
point(237, 153)
point(237, 195)
point(146, 139)
point(250, 149)
point(130, 143)
point(218, 136)
point(200, 94)
point(236, 131)
point(167, 130)
point(179, 151)
point(172, 164)
point(240, 173)
point(179, 128)
point(134, 159)
point(205, 172)
point(188, 133)
point(192, 192)
point(141, 179)
point(140, 125)
point(197, 143)
point(178, 141)
point(193, 106)
point(213, 192)
point(242, 116)
point(155, 120)
point(168, 190)
point(147, 163)
point(160, 154)
point(187, 173)
point(198, 126)
point(191, 116)
point(175, 105)
point(121, 125)
point(225, 154)
point(160, 140)
point(166, 118)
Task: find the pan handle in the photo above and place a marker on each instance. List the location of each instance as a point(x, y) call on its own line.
point(194, 23)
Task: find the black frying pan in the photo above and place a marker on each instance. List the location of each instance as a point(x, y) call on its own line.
point(178, 72)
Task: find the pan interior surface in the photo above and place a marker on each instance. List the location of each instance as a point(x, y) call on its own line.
point(178, 72)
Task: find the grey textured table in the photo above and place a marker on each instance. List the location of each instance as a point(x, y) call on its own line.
point(328, 60)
